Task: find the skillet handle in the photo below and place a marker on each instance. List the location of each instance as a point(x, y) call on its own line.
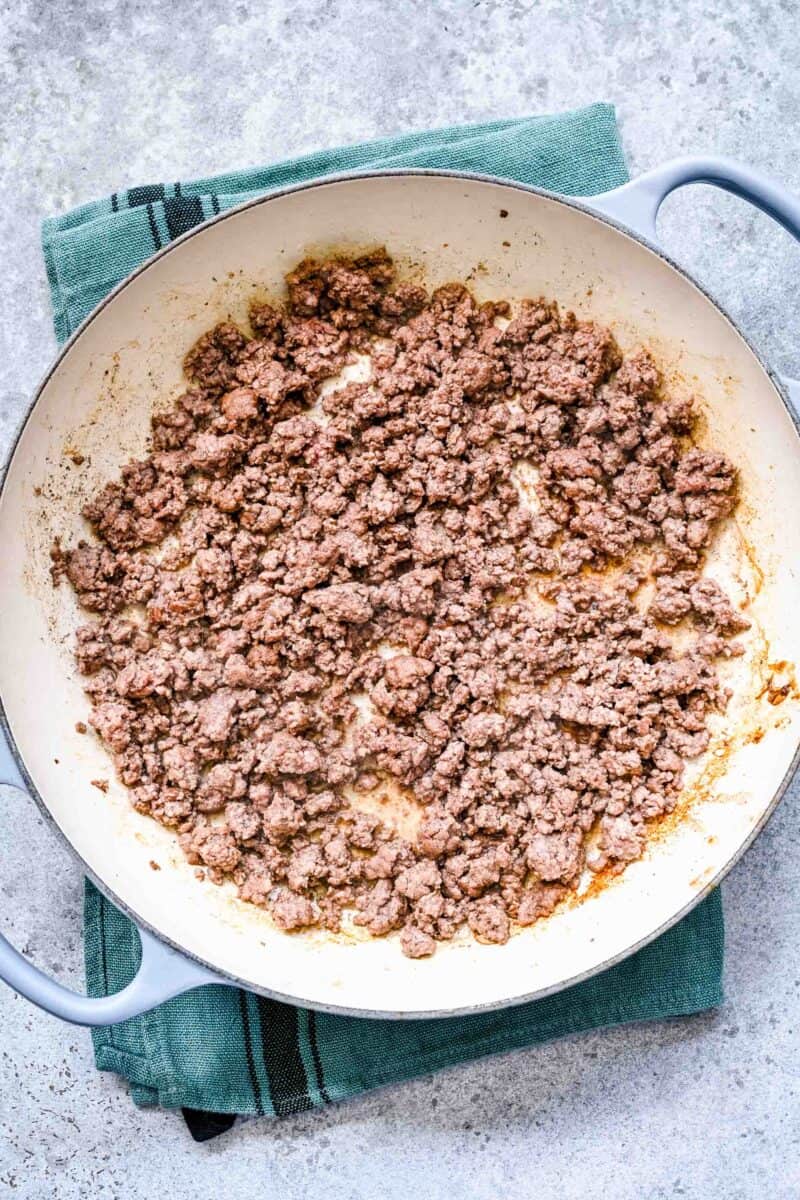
point(636, 204)
point(163, 972)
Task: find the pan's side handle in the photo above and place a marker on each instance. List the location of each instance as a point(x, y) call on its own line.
point(636, 204)
point(163, 972)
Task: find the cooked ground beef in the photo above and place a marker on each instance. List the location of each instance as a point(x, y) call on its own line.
point(425, 583)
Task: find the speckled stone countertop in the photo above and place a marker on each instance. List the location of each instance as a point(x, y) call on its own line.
point(97, 95)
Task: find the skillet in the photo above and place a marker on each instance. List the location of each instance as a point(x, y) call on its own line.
point(598, 256)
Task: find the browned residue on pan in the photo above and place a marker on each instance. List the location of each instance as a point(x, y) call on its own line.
point(781, 683)
point(752, 560)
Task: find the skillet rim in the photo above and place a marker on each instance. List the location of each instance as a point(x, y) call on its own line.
point(582, 205)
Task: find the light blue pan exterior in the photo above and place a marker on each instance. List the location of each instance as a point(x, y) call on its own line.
point(165, 972)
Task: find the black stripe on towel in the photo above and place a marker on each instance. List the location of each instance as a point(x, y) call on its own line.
point(312, 1037)
point(182, 213)
point(145, 195)
point(280, 1047)
point(151, 216)
point(248, 1044)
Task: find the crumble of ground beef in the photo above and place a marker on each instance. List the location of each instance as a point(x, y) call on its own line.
point(302, 603)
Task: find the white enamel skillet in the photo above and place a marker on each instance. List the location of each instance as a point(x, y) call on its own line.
point(597, 256)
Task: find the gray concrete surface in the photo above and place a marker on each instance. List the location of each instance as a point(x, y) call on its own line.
point(96, 95)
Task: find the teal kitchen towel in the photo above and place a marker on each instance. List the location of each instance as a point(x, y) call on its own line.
point(222, 1050)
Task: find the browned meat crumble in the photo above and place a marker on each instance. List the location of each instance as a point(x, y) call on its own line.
point(305, 605)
